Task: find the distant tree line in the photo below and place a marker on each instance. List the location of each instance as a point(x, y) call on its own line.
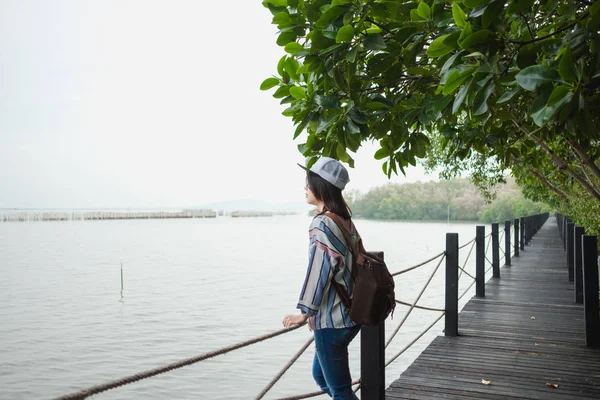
point(457, 199)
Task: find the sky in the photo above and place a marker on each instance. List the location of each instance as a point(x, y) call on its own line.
point(147, 104)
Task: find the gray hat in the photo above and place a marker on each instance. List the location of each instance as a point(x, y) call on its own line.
point(331, 170)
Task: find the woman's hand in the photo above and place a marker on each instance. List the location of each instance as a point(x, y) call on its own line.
point(294, 319)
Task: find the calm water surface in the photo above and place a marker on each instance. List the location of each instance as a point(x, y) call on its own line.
point(190, 286)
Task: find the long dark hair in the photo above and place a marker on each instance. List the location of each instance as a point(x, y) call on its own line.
point(330, 195)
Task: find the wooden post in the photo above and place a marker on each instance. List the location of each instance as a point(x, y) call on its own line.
point(570, 243)
point(480, 262)
point(590, 290)
point(522, 241)
point(495, 250)
point(372, 359)
point(564, 233)
point(451, 328)
point(516, 237)
point(578, 264)
point(507, 243)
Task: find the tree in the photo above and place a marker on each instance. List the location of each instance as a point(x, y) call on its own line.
point(482, 85)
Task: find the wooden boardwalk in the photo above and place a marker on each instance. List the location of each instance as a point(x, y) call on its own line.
point(525, 334)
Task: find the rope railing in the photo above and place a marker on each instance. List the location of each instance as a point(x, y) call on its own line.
point(418, 265)
point(462, 269)
point(466, 244)
point(285, 368)
point(169, 367)
point(419, 307)
point(415, 302)
point(391, 360)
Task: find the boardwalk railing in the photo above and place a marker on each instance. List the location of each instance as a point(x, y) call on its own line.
point(373, 342)
point(581, 254)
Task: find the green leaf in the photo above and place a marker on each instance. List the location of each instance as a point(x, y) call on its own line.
point(351, 127)
point(593, 24)
point(286, 37)
point(282, 19)
point(465, 32)
point(459, 15)
point(424, 10)
point(519, 6)
point(456, 79)
point(452, 40)
point(291, 66)
point(460, 97)
point(450, 62)
point(345, 34)
point(509, 94)
point(558, 94)
point(293, 48)
point(414, 16)
point(327, 101)
point(483, 97)
point(476, 39)
point(269, 83)
point(282, 92)
point(330, 15)
point(493, 14)
point(566, 67)
point(475, 3)
point(437, 48)
point(351, 55)
point(382, 153)
point(298, 93)
point(374, 42)
point(277, 3)
point(531, 78)
point(375, 105)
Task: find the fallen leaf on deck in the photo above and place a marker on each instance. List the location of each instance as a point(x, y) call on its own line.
point(532, 317)
point(486, 382)
point(552, 385)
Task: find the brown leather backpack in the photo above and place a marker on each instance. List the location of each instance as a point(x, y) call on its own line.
point(373, 297)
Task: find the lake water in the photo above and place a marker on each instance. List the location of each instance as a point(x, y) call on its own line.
point(190, 286)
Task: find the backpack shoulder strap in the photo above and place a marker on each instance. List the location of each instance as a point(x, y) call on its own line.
point(338, 221)
point(338, 288)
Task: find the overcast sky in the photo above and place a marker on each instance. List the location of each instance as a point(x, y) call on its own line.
point(142, 103)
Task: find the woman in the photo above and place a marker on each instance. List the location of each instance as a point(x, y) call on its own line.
point(330, 261)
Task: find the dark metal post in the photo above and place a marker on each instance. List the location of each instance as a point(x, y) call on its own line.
point(570, 249)
point(507, 243)
point(495, 250)
point(522, 241)
point(451, 328)
point(578, 264)
point(516, 237)
point(480, 262)
point(590, 288)
point(372, 359)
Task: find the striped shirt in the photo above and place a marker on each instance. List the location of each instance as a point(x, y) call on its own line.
point(328, 258)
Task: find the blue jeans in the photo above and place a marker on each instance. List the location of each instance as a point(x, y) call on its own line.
point(330, 366)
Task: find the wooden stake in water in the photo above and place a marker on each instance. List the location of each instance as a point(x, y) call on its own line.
point(121, 278)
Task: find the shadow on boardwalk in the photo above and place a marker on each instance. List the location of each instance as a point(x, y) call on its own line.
point(525, 334)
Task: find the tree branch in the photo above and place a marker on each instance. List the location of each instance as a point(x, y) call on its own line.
point(526, 42)
point(560, 163)
point(584, 157)
point(543, 179)
point(384, 28)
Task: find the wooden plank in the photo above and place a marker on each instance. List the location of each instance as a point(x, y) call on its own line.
point(499, 341)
